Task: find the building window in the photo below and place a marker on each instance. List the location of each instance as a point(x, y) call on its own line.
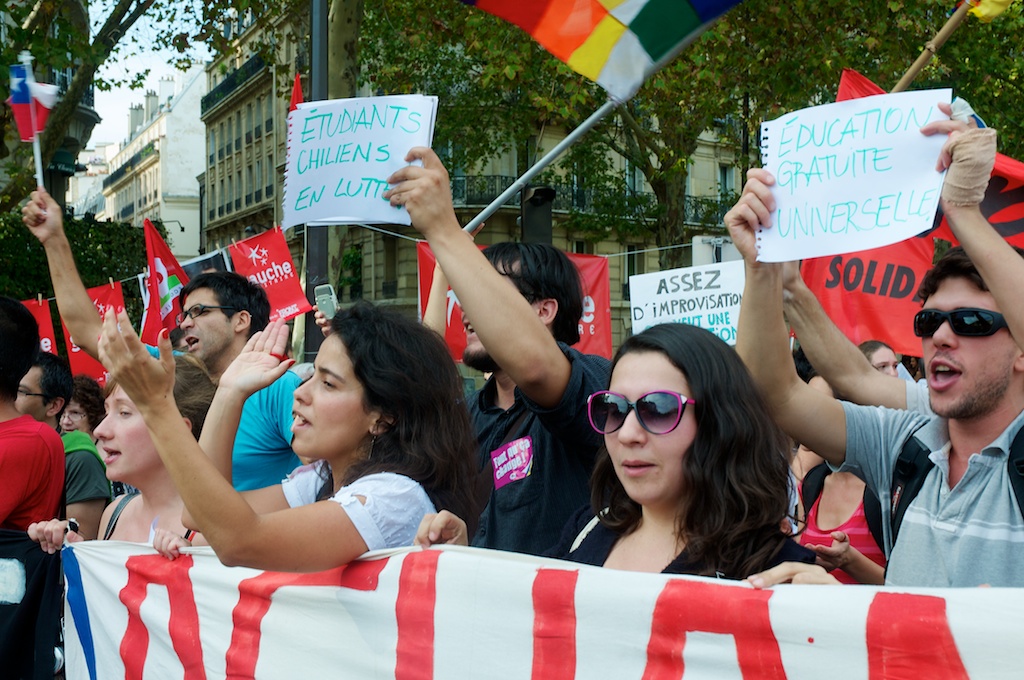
point(726, 181)
point(634, 261)
point(582, 247)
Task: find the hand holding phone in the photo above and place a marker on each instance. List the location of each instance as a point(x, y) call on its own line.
point(326, 300)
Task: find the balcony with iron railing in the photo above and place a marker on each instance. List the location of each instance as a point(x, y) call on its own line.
point(481, 190)
point(232, 82)
point(129, 165)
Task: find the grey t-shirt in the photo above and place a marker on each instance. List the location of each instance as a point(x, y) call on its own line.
point(970, 535)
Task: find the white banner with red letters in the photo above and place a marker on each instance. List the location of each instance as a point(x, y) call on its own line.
point(265, 260)
point(595, 324)
point(471, 613)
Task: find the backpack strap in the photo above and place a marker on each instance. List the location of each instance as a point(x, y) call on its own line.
point(873, 516)
point(812, 485)
point(908, 476)
point(1015, 468)
point(118, 509)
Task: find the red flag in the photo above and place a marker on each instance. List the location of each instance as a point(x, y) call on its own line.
point(27, 94)
point(265, 260)
point(40, 309)
point(595, 325)
point(296, 93)
point(870, 295)
point(107, 296)
point(166, 279)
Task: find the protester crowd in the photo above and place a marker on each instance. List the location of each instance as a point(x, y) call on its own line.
point(681, 455)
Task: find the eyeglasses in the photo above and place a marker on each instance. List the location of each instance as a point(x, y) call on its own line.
point(657, 412)
point(196, 311)
point(965, 321)
point(25, 393)
point(73, 416)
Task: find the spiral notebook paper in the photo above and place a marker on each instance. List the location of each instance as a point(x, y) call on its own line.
point(852, 175)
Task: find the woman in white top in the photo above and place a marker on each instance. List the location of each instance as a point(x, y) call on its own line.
point(382, 415)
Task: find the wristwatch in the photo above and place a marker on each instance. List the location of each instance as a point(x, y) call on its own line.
point(72, 525)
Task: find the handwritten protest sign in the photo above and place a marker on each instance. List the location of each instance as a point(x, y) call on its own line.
point(341, 152)
point(852, 175)
point(707, 296)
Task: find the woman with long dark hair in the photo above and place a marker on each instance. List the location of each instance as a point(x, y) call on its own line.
point(694, 474)
point(382, 416)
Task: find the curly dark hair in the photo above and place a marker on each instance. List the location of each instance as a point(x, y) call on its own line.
point(409, 377)
point(736, 473)
point(955, 263)
point(88, 394)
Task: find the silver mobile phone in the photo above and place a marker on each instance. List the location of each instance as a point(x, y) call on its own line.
point(326, 300)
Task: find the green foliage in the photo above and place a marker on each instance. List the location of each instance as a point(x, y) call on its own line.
point(103, 251)
point(499, 90)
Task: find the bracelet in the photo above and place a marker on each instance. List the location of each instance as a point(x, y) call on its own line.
point(72, 525)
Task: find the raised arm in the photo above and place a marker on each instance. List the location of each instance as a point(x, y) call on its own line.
point(43, 218)
point(833, 356)
point(968, 156)
point(262, 536)
point(508, 326)
point(802, 411)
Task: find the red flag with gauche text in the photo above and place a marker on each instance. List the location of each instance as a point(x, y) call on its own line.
point(265, 260)
point(40, 309)
point(165, 280)
point(595, 325)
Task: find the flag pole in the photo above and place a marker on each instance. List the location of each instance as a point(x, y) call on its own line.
point(26, 58)
point(542, 163)
point(933, 46)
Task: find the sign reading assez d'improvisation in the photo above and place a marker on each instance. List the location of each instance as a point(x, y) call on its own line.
point(341, 152)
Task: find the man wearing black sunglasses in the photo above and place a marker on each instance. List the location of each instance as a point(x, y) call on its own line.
point(220, 312)
point(964, 526)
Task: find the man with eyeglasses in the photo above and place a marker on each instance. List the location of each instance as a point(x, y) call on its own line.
point(31, 453)
point(220, 312)
point(964, 527)
point(44, 394)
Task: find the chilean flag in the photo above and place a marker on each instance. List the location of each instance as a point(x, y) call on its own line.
point(25, 91)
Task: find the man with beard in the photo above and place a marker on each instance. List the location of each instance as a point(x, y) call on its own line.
point(220, 312)
point(521, 308)
point(964, 527)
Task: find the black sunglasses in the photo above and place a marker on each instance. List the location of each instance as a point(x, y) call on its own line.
point(965, 321)
point(658, 412)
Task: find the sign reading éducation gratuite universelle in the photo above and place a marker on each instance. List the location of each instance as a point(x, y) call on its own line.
point(341, 152)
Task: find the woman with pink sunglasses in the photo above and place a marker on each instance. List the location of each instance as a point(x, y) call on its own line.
point(694, 476)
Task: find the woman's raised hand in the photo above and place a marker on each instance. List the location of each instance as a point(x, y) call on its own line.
point(147, 381)
point(262, 361)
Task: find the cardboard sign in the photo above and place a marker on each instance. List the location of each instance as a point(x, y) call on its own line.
point(707, 296)
point(341, 152)
point(851, 175)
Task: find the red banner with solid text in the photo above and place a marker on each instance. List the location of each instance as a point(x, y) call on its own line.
point(103, 297)
point(870, 295)
point(265, 260)
point(595, 325)
point(40, 309)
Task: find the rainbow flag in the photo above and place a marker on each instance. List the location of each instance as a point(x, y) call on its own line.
point(615, 43)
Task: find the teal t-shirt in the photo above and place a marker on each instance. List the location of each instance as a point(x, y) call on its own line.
point(262, 455)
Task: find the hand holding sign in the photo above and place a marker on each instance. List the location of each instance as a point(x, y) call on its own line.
point(340, 153)
point(851, 175)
